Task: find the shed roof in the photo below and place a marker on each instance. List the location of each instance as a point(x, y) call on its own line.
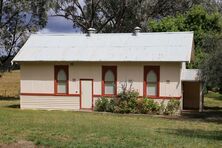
point(164, 46)
point(191, 75)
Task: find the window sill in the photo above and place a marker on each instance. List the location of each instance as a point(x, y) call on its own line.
point(162, 97)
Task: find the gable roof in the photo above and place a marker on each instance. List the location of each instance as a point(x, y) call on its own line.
point(162, 46)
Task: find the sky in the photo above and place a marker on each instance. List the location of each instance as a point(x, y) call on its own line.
point(58, 25)
point(55, 25)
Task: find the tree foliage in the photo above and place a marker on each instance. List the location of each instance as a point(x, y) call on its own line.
point(207, 27)
point(118, 15)
point(211, 66)
point(197, 19)
point(17, 20)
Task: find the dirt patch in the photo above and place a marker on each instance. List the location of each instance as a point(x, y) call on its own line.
point(19, 144)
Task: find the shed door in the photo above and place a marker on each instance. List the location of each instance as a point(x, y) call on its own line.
point(191, 95)
point(86, 94)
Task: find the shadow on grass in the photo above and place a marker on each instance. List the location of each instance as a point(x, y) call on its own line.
point(9, 102)
point(13, 106)
point(215, 108)
point(206, 116)
point(3, 98)
point(203, 134)
point(211, 113)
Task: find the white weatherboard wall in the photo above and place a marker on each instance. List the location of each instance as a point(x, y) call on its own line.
point(127, 72)
point(39, 78)
point(79, 71)
point(50, 102)
point(168, 71)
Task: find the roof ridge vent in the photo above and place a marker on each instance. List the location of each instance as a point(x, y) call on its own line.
point(136, 31)
point(91, 31)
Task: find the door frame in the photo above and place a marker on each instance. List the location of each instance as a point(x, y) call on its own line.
point(201, 96)
point(80, 88)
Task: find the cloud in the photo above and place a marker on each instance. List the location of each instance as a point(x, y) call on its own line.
point(59, 25)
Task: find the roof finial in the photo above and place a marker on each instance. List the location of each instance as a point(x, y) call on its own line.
point(136, 30)
point(91, 31)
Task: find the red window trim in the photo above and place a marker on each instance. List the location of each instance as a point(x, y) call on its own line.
point(104, 70)
point(95, 95)
point(147, 69)
point(48, 94)
point(56, 70)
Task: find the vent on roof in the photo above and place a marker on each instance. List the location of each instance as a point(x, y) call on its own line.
point(91, 31)
point(136, 31)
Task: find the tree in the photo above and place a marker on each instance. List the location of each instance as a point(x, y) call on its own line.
point(199, 20)
point(118, 15)
point(17, 20)
point(211, 66)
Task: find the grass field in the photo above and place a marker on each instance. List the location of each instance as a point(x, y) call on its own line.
point(9, 84)
point(213, 101)
point(82, 129)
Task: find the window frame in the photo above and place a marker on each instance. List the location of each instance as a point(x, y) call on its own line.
point(104, 70)
point(156, 70)
point(56, 71)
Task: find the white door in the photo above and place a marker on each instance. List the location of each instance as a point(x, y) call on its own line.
point(86, 94)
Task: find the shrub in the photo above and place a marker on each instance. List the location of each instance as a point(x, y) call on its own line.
point(111, 105)
point(132, 103)
point(126, 100)
point(123, 107)
point(162, 107)
point(128, 94)
point(172, 107)
point(146, 105)
point(140, 105)
point(117, 109)
point(151, 105)
point(102, 104)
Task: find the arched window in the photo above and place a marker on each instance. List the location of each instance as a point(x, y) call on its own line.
point(109, 80)
point(151, 86)
point(61, 73)
point(61, 77)
point(151, 81)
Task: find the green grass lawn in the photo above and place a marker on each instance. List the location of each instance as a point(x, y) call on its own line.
point(82, 129)
point(213, 101)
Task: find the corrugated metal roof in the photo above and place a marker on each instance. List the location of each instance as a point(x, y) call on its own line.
point(190, 75)
point(165, 46)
